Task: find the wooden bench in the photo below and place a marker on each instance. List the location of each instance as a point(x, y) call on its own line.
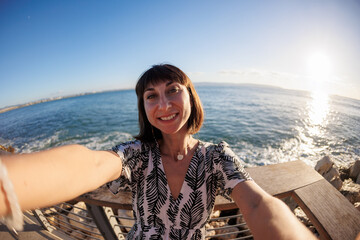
point(331, 213)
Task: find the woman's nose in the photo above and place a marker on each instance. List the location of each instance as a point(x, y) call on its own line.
point(164, 103)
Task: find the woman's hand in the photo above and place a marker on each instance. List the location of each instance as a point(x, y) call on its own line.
point(48, 177)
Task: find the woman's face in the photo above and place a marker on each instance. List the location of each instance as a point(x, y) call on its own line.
point(167, 106)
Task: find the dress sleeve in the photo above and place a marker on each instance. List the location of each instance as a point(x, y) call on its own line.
point(129, 154)
point(230, 169)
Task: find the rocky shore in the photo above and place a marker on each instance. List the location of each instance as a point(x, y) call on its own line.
point(346, 179)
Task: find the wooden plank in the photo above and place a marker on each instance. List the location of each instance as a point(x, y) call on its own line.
point(330, 212)
point(283, 178)
point(278, 180)
point(103, 197)
point(222, 203)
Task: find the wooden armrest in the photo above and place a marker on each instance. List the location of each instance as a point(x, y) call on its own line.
point(330, 212)
point(281, 179)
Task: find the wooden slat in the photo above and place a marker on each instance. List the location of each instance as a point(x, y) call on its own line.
point(222, 203)
point(281, 179)
point(330, 212)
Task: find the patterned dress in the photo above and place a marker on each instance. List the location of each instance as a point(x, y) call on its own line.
point(214, 169)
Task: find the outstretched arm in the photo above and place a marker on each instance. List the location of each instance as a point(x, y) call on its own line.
point(266, 216)
point(48, 177)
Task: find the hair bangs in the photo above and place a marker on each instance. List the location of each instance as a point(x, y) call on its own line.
point(158, 74)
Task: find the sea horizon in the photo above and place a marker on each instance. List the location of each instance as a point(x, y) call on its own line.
point(55, 98)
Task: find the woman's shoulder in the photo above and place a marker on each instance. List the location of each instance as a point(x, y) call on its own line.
point(218, 151)
point(219, 147)
point(136, 145)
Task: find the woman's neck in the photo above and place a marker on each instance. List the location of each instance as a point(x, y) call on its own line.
point(175, 146)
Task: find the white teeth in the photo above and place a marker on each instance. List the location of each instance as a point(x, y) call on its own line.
point(169, 117)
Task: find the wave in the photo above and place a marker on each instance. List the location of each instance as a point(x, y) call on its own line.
point(251, 155)
point(94, 142)
point(294, 149)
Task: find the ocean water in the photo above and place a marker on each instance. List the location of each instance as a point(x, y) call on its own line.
point(263, 125)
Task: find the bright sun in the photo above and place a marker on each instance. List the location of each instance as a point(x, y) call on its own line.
point(319, 67)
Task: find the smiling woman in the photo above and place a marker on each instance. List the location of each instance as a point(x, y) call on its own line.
point(174, 178)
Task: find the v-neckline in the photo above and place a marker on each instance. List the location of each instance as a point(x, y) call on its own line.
point(199, 144)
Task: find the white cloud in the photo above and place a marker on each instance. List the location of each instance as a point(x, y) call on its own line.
point(195, 73)
point(340, 85)
point(241, 72)
point(259, 75)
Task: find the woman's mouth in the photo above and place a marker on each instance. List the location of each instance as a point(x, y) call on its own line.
point(168, 117)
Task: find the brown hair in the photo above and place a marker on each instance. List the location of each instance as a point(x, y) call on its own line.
point(160, 73)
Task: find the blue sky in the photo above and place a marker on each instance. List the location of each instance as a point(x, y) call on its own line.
point(56, 48)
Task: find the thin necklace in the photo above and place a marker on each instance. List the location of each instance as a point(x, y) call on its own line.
point(181, 156)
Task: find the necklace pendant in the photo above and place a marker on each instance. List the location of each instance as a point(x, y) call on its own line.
point(180, 157)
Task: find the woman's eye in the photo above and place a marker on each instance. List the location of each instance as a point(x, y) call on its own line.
point(150, 96)
point(174, 90)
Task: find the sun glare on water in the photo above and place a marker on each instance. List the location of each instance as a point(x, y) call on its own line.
point(319, 71)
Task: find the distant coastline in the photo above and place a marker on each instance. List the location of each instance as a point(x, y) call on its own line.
point(6, 109)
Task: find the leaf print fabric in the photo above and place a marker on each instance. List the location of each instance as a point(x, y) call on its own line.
point(214, 169)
